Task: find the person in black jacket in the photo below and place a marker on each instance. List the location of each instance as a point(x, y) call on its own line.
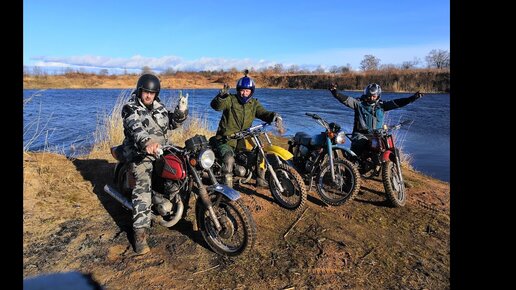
point(369, 112)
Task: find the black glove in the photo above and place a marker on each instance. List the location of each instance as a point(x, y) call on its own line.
point(224, 92)
point(416, 96)
point(333, 88)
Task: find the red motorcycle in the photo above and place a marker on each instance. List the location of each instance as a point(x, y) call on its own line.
point(383, 155)
point(224, 221)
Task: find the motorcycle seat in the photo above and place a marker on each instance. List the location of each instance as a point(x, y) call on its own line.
point(303, 138)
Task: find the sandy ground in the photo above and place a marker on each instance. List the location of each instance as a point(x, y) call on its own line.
point(69, 223)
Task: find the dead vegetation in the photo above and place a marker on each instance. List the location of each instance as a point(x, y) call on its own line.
point(393, 80)
point(71, 224)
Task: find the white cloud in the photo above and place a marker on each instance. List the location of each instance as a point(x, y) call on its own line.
point(324, 59)
point(156, 63)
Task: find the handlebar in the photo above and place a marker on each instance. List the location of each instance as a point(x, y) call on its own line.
point(383, 130)
point(319, 120)
point(161, 150)
point(315, 116)
point(247, 132)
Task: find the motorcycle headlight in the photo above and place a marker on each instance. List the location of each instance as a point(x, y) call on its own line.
point(341, 138)
point(207, 158)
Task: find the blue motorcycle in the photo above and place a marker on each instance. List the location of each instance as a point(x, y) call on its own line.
point(316, 159)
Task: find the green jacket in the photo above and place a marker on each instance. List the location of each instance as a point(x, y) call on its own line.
point(237, 116)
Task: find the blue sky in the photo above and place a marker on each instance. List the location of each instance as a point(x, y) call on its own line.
point(196, 35)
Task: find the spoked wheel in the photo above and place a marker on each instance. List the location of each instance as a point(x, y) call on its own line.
point(393, 184)
point(345, 186)
point(294, 189)
point(238, 232)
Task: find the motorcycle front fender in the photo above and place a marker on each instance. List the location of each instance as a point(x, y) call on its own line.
point(347, 151)
point(224, 190)
point(280, 152)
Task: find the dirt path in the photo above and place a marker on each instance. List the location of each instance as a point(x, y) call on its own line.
point(71, 224)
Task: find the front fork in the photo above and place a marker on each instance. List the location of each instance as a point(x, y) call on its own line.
point(267, 164)
point(203, 193)
point(330, 155)
point(398, 164)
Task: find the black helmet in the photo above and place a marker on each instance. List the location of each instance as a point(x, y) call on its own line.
point(245, 83)
point(373, 89)
point(148, 82)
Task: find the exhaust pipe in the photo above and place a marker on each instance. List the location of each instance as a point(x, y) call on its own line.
point(118, 197)
point(175, 218)
point(128, 205)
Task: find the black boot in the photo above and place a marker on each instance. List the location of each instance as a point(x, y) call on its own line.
point(260, 178)
point(140, 241)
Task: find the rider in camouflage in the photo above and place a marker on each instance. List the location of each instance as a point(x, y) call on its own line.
point(146, 123)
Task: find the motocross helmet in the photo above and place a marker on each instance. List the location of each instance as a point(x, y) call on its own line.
point(372, 89)
point(148, 82)
point(245, 83)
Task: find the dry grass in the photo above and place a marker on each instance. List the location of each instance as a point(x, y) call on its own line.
point(37, 128)
point(426, 80)
point(110, 129)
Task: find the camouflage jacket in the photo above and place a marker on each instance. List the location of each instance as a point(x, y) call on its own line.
point(237, 116)
point(142, 125)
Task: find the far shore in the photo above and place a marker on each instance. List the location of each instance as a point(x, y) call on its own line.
point(425, 80)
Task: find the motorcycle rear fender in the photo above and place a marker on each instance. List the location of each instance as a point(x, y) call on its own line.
point(224, 190)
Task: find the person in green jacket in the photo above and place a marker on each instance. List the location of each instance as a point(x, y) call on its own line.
point(238, 113)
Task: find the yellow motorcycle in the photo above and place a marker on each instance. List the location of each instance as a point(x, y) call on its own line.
point(285, 183)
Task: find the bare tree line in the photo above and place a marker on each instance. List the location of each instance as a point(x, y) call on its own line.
point(436, 58)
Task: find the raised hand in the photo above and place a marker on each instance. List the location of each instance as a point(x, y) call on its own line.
point(333, 87)
point(224, 92)
point(183, 102)
point(278, 122)
point(417, 95)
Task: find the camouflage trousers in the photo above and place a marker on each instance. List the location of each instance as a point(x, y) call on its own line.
point(142, 193)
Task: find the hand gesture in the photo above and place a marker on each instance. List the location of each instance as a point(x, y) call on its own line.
point(182, 105)
point(417, 95)
point(224, 91)
point(278, 121)
point(277, 118)
point(333, 87)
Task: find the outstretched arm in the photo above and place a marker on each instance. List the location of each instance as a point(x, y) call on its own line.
point(401, 102)
point(263, 114)
point(344, 99)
